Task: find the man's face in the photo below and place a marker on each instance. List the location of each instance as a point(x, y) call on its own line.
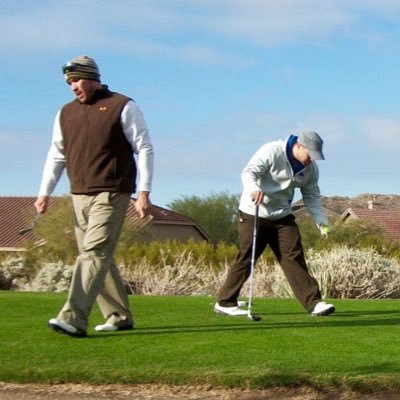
point(301, 154)
point(83, 89)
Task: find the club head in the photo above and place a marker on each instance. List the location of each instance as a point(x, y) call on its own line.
point(24, 230)
point(254, 317)
point(29, 228)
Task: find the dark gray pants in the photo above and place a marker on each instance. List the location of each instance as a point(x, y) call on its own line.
point(283, 237)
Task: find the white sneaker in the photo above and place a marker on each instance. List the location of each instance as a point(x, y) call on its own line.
point(106, 328)
point(243, 303)
point(61, 326)
point(232, 311)
point(111, 328)
point(322, 309)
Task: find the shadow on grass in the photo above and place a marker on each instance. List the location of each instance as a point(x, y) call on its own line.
point(388, 367)
point(340, 313)
point(353, 314)
point(332, 321)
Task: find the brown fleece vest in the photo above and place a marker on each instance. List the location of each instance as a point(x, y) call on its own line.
point(98, 156)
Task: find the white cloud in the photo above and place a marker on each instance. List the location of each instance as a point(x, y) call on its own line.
point(382, 133)
point(277, 22)
point(151, 27)
point(218, 149)
point(333, 128)
point(146, 29)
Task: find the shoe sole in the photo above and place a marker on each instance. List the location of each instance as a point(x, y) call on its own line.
point(324, 313)
point(119, 328)
point(229, 315)
point(58, 329)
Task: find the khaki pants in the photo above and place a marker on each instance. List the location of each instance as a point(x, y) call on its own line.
point(283, 237)
point(98, 222)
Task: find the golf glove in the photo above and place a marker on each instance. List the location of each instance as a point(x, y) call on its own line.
point(325, 230)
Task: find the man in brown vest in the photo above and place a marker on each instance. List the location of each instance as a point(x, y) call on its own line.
point(96, 138)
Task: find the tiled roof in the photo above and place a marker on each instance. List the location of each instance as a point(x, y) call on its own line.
point(17, 213)
point(162, 214)
point(300, 209)
point(388, 220)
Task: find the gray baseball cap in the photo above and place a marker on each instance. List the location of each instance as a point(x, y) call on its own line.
point(313, 143)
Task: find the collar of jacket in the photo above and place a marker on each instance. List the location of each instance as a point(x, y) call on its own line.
point(101, 93)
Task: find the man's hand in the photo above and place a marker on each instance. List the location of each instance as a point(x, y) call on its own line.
point(41, 204)
point(143, 204)
point(325, 230)
point(257, 197)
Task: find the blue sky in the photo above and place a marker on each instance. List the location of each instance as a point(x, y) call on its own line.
point(215, 80)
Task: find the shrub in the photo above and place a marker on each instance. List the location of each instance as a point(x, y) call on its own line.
point(15, 274)
point(358, 234)
point(53, 277)
point(176, 274)
point(354, 274)
point(56, 230)
point(341, 272)
point(155, 253)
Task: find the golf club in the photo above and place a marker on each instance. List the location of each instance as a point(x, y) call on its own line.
point(29, 228)
point(252, 264)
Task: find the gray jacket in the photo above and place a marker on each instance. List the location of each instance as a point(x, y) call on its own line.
point(270, 172)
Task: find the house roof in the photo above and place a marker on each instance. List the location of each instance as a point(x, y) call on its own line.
point(163, 216)
point(388, 220)
point(17, 212)
point(299, 209)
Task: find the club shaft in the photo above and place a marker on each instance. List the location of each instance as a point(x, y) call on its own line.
point(253, 261)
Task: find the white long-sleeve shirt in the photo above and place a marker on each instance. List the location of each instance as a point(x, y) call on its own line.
point(135, 131)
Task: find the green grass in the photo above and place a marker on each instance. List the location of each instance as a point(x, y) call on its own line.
point(179, 340)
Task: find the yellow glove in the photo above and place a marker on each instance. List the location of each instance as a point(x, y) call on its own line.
point(325, 230)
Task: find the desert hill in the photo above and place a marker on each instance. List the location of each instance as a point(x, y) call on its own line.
point(339, 204)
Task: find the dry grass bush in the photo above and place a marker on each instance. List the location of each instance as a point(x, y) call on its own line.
point(162, 253)
point(182, 273)
point(346, 272)
point(341, 272)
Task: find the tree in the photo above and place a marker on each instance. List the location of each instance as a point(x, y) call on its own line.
point(364, 234)
point(215, 213)
point(56, 229)
point(357, 234)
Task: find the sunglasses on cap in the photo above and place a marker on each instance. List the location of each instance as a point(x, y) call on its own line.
point(71, 67)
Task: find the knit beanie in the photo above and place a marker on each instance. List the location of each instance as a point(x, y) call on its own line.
point(81, 67)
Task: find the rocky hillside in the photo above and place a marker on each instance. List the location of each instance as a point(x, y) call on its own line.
point(339, 204)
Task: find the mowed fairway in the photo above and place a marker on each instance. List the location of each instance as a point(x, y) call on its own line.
point(179, 340)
